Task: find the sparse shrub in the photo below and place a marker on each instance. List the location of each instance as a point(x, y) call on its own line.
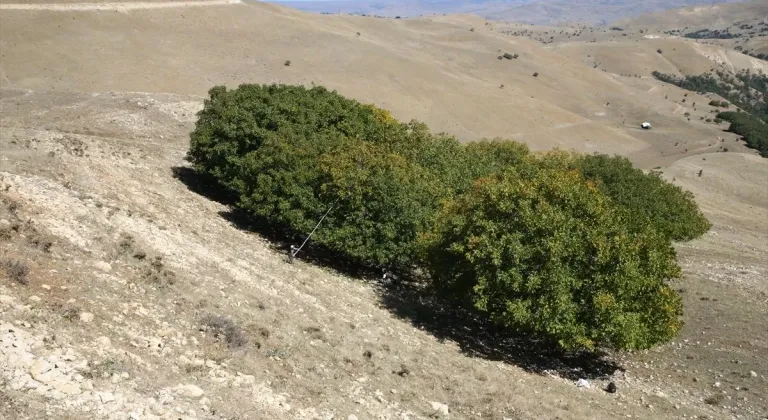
point(70, 313)
point(536, 74)
point(41, 243)
point(659, 51)
point(508, 56)
point(316, 333)
point(156, 273)
point(287, 63)
point(538, 248)
point(126, 244)
point(714, 399)
point(224, 329)
point(103, 369)
point(6, 233)
point(16, 271)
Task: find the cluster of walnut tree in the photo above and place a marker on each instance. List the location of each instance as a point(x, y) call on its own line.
point(576, 248)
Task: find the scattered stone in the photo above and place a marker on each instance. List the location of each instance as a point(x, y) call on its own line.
point(441, 409)
point(86, 317)
point(753, 374)
point(166, 332)
point(105, 397)
point(717, 384)
point(103, 266)
point(611, 388)
point(46, 287)
point(6, 300)
point(39, 367)
point(35, 299)
point(189, 391)
point(68, 388)
point(103, 341)
point(583, 383)
point(87, 385)
point(351, 417)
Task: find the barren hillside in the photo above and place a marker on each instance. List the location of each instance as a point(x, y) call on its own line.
point(712, 15)
point(438, 72)
point(746, 22)
point(543, 12)
point(148, 297)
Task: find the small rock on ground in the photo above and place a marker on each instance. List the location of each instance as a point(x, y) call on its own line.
point(441, 410)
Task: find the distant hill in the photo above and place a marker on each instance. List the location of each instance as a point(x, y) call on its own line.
point(528, 11)
point(739, 26)
point(714, 16)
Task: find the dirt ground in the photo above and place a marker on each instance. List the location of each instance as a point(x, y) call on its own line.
point(87, 172)
point(130, 290)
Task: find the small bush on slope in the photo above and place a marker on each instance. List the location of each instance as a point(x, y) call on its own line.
point(647, 198)
point(542, 250)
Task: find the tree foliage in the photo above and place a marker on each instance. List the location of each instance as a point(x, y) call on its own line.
point(747, 90)
point(290, 153)
point(754, 131)
point(382, 201)
point(541, 249)
point(573, 247)
point(646, 197)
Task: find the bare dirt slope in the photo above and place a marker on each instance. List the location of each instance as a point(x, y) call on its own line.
point(131, 258)
point(91, 171)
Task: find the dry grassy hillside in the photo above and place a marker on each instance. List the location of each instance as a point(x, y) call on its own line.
point(147, 297)
point(747, 21)
point(438, 72)
point(641, 57)
point(94, 188)
point(633, 50)
point(714, 16)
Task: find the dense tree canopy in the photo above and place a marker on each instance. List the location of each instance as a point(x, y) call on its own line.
point(646, 197)
point(754, 130)
point(541, 249)
point(573, 247)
